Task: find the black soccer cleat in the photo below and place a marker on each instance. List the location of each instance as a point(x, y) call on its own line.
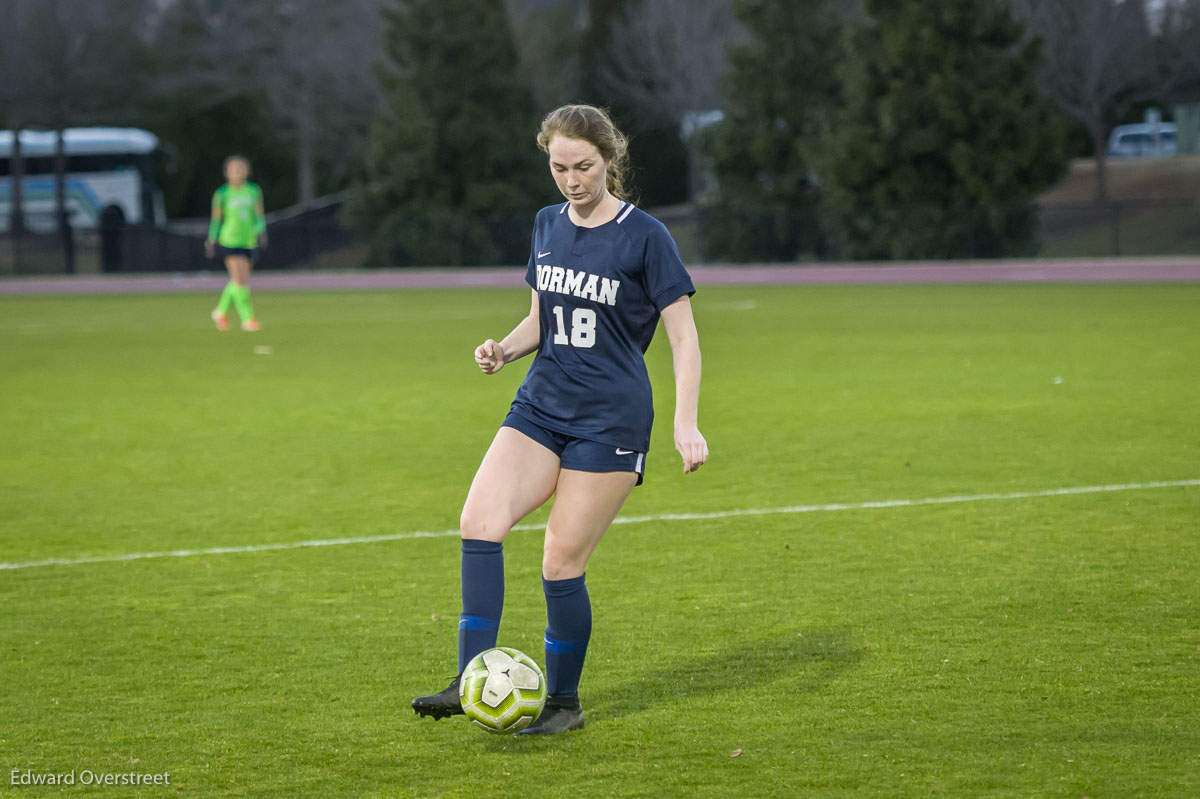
point(559, 715)
point(441, 705)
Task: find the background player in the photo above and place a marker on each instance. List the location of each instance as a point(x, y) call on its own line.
point(239, 228)
point(602, 273)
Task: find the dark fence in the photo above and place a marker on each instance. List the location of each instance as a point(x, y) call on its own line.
point(1115, 228)
point(1142, 227)
point(314, 238)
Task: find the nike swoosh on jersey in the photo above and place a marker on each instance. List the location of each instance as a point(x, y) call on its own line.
point(624, 451)
point(544, 254)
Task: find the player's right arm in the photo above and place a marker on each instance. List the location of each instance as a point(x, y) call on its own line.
point(214, 226)
point(492, 355)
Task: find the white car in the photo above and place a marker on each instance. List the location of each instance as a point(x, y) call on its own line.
point(1144, 140)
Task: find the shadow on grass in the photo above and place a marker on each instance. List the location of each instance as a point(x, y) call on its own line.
point(801, 663)
point(806, 662)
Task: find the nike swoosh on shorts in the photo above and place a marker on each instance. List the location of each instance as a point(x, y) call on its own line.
point(624, 451)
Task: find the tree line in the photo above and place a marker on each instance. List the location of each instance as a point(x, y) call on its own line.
point(290, 84)
point(799, 128)
point(926, 130)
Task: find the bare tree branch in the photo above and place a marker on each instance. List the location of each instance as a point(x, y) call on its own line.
point(312, 61)
point(317, 69)
point(547, 37)
point(668, 57)
point(1101, 59)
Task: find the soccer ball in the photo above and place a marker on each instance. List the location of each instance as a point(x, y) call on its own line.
point(502, 690)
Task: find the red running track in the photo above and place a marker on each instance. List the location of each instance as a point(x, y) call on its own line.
point(1098, 270)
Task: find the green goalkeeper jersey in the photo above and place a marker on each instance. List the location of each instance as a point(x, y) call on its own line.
point(240, 222)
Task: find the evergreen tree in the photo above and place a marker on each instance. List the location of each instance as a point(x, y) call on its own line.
point(780, 90)
point(943, 141)
point(453, 175)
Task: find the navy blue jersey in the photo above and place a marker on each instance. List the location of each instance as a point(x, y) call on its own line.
point(600, 293)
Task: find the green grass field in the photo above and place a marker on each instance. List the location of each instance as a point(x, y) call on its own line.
point(1045, 646)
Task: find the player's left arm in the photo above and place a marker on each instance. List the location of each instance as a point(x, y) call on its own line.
point(685, 354)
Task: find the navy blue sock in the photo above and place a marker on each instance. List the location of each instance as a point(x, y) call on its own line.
point(568, 628)
point(482, 598)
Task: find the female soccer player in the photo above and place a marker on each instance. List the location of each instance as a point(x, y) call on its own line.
point(602, 272)
point(238, 227)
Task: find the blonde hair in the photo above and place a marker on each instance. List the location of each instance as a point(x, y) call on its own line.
point(593, 125)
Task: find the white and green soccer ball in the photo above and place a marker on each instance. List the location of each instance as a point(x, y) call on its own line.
point(502, 690)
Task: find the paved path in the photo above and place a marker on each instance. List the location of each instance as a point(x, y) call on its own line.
point(1100, 270)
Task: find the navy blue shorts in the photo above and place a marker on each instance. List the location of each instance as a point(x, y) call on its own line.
point(580, 453)
point(242, 251)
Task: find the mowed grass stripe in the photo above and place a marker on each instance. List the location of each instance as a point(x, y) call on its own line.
point(658, 517)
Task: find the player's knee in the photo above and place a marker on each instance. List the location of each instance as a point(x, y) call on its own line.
point(560, 564)
point(481, 525)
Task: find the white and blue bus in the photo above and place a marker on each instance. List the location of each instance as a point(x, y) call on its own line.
point(110, 171)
